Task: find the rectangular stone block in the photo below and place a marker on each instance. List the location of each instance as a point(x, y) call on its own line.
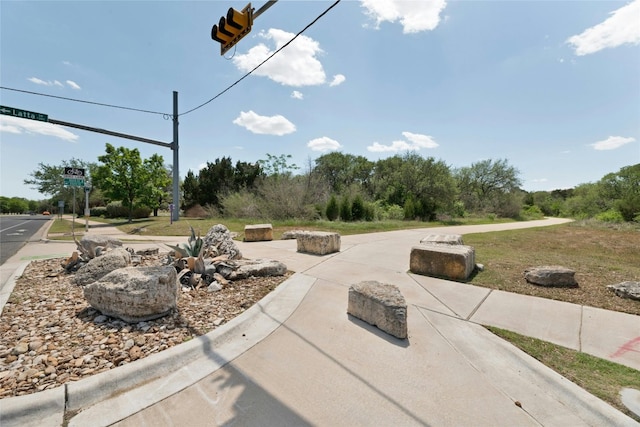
point(454, 262)
point(445, 239)
point(318, 242)
point(258, 233)
point(381, 305)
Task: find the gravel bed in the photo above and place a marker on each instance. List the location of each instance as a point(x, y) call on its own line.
point(49, 335)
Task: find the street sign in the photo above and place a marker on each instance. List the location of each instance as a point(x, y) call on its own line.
point(74, 182)
point(23, 114)
point(73, 172)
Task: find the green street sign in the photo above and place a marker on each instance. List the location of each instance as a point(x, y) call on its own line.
point(23, 114)
point(74, 182)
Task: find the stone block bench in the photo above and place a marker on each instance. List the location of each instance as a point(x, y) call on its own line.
point(455, 262)
point(381, 305)
point(258, 233)
point(318, 242)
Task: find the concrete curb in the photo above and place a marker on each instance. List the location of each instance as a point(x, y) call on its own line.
point(113, 395)
point(5, 291)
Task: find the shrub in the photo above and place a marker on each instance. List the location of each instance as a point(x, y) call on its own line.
point(395, 212)
point(100, 211)
point(116, 210)
point(332, 210)
point(357, 209)
point(610, 216)
point(345, 209)
point(409, 210)
point(531, 212)
point(140, 212)
point(195, 211)
point(242, 204)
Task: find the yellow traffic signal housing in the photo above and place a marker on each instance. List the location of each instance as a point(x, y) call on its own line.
point(234, 27)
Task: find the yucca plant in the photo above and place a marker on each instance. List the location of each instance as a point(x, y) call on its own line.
point(193, 247)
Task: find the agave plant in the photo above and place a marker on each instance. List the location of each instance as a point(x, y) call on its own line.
point(193, 247)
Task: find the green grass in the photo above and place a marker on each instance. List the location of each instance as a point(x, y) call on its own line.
point(162, 226)
point(599, 377)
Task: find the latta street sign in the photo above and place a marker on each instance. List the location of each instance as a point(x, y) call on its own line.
point(23, 114)
point(74, 182)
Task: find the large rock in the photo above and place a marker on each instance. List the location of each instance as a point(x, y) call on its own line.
point(218, 241)
point(629, 290)
point(552, 276)
point(318, 242)
point(93, 245)
point(102, 265)
point(442, 239)
point(381, 305)
point(135, 294)
point(242, 269)
point(455, 262)
point(258, 233)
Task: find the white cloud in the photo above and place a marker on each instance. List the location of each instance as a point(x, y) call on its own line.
point(414, 16)
point(296, 65)
point(19, 126)
point(612, 143)
point(415, 142)
point(338, 79)
point(297, 95)
point(265, 125)
point(324, 144)
point(539, 180)
point(620, 28)
point(40, 81)
point(420, 141)
point(73, 84)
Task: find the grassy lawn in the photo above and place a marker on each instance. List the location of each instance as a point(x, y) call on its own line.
point(162, 226)
point(599, 377)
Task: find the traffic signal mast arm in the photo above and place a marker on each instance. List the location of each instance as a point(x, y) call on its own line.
point(235, 26)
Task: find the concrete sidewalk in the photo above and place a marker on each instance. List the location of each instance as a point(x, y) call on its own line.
point(297, 358)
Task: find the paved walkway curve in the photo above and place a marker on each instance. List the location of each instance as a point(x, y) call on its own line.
point(296, 358)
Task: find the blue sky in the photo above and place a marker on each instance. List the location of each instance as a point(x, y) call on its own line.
point(552, 86)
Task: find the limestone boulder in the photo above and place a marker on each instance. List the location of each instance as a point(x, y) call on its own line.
point(381, 305)
point(100, 266)
point(94, 245)
point(219, 241)
point(442, 239)
point(318, 242)
point(135, 294)
point(242, 269)
point(629, 290)
point(258, 233)
point(551, 276)
point(455, 262)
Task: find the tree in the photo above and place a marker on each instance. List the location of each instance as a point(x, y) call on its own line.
point(157, 179)
point(490, 186)
point(427, 182)
point(340, 170)
point(278, 165)
point(190, 190)
point(122, 176)
point(622, 189)
point(49, 180)
point(332, 210)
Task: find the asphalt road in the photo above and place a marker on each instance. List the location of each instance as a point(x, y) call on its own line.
point(16, 230)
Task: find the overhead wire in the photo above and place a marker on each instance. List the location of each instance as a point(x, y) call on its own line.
point(167, 115)
point(263, 62)
point(85, 102)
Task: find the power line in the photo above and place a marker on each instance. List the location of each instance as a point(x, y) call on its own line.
point(86, 102)
point(262, 63)
point(166, 115)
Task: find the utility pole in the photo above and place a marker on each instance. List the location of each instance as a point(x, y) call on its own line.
point(175, 213)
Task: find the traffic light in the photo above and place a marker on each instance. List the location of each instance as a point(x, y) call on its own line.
point(231, 29)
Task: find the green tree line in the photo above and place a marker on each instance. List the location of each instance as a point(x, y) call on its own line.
point(335, 186)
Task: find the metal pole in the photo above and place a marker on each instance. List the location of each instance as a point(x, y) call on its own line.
point(86, 209)
point(264, 7)
point(73, 218)
point(176, 172)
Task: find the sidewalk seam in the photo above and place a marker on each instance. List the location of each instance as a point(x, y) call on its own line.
point(580, 328)
point(478, 305)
